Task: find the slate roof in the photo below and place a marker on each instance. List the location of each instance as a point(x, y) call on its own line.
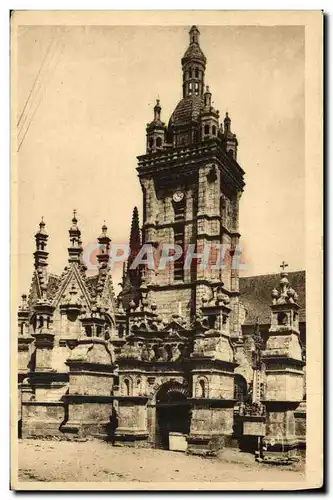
point(255, 295)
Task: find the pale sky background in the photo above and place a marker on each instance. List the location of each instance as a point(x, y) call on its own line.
point(93, 98)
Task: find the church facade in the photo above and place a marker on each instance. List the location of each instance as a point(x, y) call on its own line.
point(188, 356)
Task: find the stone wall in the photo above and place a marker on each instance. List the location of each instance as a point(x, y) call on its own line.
point(168, 301)
point(42, 419)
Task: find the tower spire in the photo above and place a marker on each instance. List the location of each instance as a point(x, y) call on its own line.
point(194, 65)
point(231, 142)
point(75, 248)
point(104, 247)
point(156, 130)
point(41, 255)
point(135, 245)
point(135, 237)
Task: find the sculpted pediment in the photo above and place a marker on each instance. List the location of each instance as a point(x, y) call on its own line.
point(174, 328)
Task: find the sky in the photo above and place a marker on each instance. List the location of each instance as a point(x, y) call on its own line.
point(94, 89)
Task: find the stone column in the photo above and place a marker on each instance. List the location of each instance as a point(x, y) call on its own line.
point(212, 369)
point(89, 401)
point(132, 429)
point(44, 336)
point(284, 373)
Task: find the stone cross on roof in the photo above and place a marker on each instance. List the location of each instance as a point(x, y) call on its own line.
point(283, 265)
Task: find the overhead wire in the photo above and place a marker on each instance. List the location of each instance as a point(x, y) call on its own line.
point(40, 91)
point(35, 81)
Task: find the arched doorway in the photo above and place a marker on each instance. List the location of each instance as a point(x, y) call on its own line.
point(240, 389)
point(172, 412)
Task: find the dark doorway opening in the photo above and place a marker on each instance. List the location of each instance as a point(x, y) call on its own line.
point(172, 415)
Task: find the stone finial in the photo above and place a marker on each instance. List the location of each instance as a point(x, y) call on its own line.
point(227, 123)
point(104, 247)
point(157, 111)
point(153, 306)
point(286, 294)
point(132, 305)
point(208, 98)
point(24, 305)
point(42, 226)
point(194, 34)
point(41, 235)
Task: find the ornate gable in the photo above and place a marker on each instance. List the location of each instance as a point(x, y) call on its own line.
point(35, 291)
point(69, 278)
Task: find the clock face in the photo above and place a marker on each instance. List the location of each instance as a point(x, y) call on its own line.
point(178, 196)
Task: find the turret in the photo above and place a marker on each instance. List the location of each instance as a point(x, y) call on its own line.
point(194, 65)
point(156, 131)
point(75, 248)
point(104, 248)
point(41, 255)
point(230, 139)
point(209, 117)
point(23, 317)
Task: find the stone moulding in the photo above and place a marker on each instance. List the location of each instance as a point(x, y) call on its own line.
point(132, 399)
point(228, 366)
point(79, 366)
point(213, 402)
point(43, 403)
point(86, 398)
point(282, 359)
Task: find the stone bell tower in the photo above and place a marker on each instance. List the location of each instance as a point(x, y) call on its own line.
point(191, 184)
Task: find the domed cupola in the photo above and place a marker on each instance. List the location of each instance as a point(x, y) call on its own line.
point(184, 124)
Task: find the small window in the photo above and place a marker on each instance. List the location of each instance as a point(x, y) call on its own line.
point(158, 142)
point(190, 73)
point(202, 393)
point(168, 350)
point(282, 318)
point(240, 388)
point(213, 130)
point(151, 142)
point(121, 331)
point(127, 387)
point(196, 73)
point(206, 129)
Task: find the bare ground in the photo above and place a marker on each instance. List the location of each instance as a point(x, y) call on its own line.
point(99, 461)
